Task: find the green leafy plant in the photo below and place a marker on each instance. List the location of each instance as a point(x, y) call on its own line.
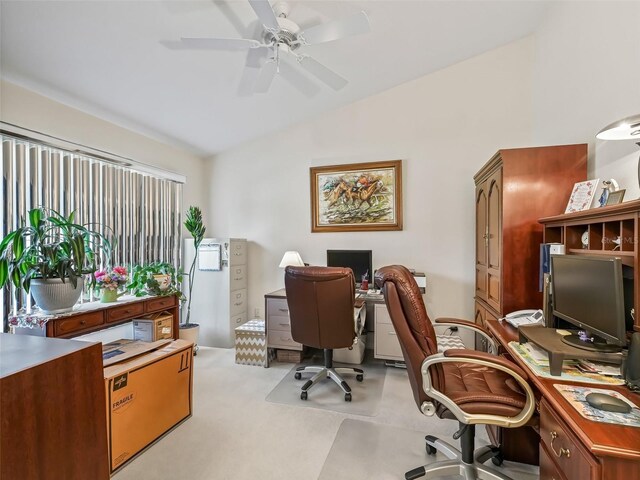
point(143, 280)
point(51, 246)
point(193, 223)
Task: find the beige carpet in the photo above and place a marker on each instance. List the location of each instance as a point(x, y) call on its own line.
point(236, 434)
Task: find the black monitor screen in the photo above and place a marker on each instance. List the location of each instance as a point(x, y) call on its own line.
point(588, 292)
point(357, 260)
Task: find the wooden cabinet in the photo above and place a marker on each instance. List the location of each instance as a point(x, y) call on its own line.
point(53, 409)
point(513, 190)
point(611, 232)
point(90, 317)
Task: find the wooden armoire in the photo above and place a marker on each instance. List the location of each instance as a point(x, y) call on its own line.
point(514, 190)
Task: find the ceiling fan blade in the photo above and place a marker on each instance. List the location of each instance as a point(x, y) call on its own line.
point(293, 75)
point(254, 62)
point(266, 77)
point(322, 73)
point(348, 26)
point(265, 13)
point(256, 56)
point(211, 43)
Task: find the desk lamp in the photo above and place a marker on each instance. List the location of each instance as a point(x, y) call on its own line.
point(625, 129)
point(291, 258)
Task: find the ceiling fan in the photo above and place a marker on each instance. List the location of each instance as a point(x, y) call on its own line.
point(280, 39)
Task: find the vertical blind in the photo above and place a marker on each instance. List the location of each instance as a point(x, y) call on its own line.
point(141, 212)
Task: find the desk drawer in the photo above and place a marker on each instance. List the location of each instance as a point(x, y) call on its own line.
point(65, 326)
point(280, 339)
point(386, 342)
point(238, 277)
point(238, 302)
point(280, 323)
point(161, 303)
point(382, 314)
point(237, 253)
point(567, 453)
point(548, 469)
point(125, 312)
point(277, 307)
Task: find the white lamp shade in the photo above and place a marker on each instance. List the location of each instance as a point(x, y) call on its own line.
point(291, 258)
point(625, 129)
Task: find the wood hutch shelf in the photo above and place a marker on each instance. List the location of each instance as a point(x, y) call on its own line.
point(611, 231)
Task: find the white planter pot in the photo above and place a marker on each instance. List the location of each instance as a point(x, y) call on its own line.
point(191, 333)
point(53, 296)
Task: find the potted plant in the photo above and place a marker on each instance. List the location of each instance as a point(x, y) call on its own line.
point(157, 278)
point(108, 281)
point(49, 258)
point(193, 223)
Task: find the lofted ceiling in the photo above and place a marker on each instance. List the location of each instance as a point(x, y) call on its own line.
point(107, 58)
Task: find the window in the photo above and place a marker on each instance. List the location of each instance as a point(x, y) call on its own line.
point(141, 210)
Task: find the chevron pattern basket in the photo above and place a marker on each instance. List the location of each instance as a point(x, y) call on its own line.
point(251, 344)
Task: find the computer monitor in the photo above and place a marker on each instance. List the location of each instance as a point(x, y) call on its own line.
point(588, 292)
point(357, 260)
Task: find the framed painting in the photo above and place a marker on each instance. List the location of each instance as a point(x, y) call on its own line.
point(357, 197)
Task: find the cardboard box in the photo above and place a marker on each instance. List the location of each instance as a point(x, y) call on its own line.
point(147, 396)
point(289, 356)
point(157, 326)
point(251, 344)
point(121, 350)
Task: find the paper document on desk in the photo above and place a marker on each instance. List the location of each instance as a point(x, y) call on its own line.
point(601, 368)
point(537, 354)
point(569, 370)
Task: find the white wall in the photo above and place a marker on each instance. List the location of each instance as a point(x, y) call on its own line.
point(586, 76)
point(27, 109)
point(444, 127)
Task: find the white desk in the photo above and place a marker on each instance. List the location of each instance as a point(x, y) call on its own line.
point(278, 326)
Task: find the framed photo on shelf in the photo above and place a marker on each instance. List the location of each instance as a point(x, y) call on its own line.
point(615, 197)
point(357, 197)
point(582, 196)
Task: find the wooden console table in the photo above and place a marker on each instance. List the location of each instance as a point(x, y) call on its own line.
point(53, 409)
point(93, 316)
point(572, 447)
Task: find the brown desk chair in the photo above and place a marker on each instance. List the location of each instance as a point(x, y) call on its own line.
point(321, 303)
point(465, 385)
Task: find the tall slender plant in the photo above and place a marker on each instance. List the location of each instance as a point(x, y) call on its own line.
point(193, 223)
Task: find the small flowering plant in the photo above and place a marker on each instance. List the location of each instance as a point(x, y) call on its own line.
point(111, 279)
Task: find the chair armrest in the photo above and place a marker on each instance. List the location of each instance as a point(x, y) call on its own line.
point(479, 329)
point(486, 360)
point(475, 354)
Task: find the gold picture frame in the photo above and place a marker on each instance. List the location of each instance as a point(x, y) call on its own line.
point(357, 197)
point(616, 197)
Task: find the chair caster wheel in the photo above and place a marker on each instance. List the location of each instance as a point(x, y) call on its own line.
point(360, 377)
point(347, 397)
point(497, 460)
point(430, 450)
point(298, 376)
point(303, 395)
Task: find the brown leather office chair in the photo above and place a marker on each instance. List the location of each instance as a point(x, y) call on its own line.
point(465, 385)
point(321, 301)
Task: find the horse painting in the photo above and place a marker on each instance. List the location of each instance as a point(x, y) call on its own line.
point(356, 198)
